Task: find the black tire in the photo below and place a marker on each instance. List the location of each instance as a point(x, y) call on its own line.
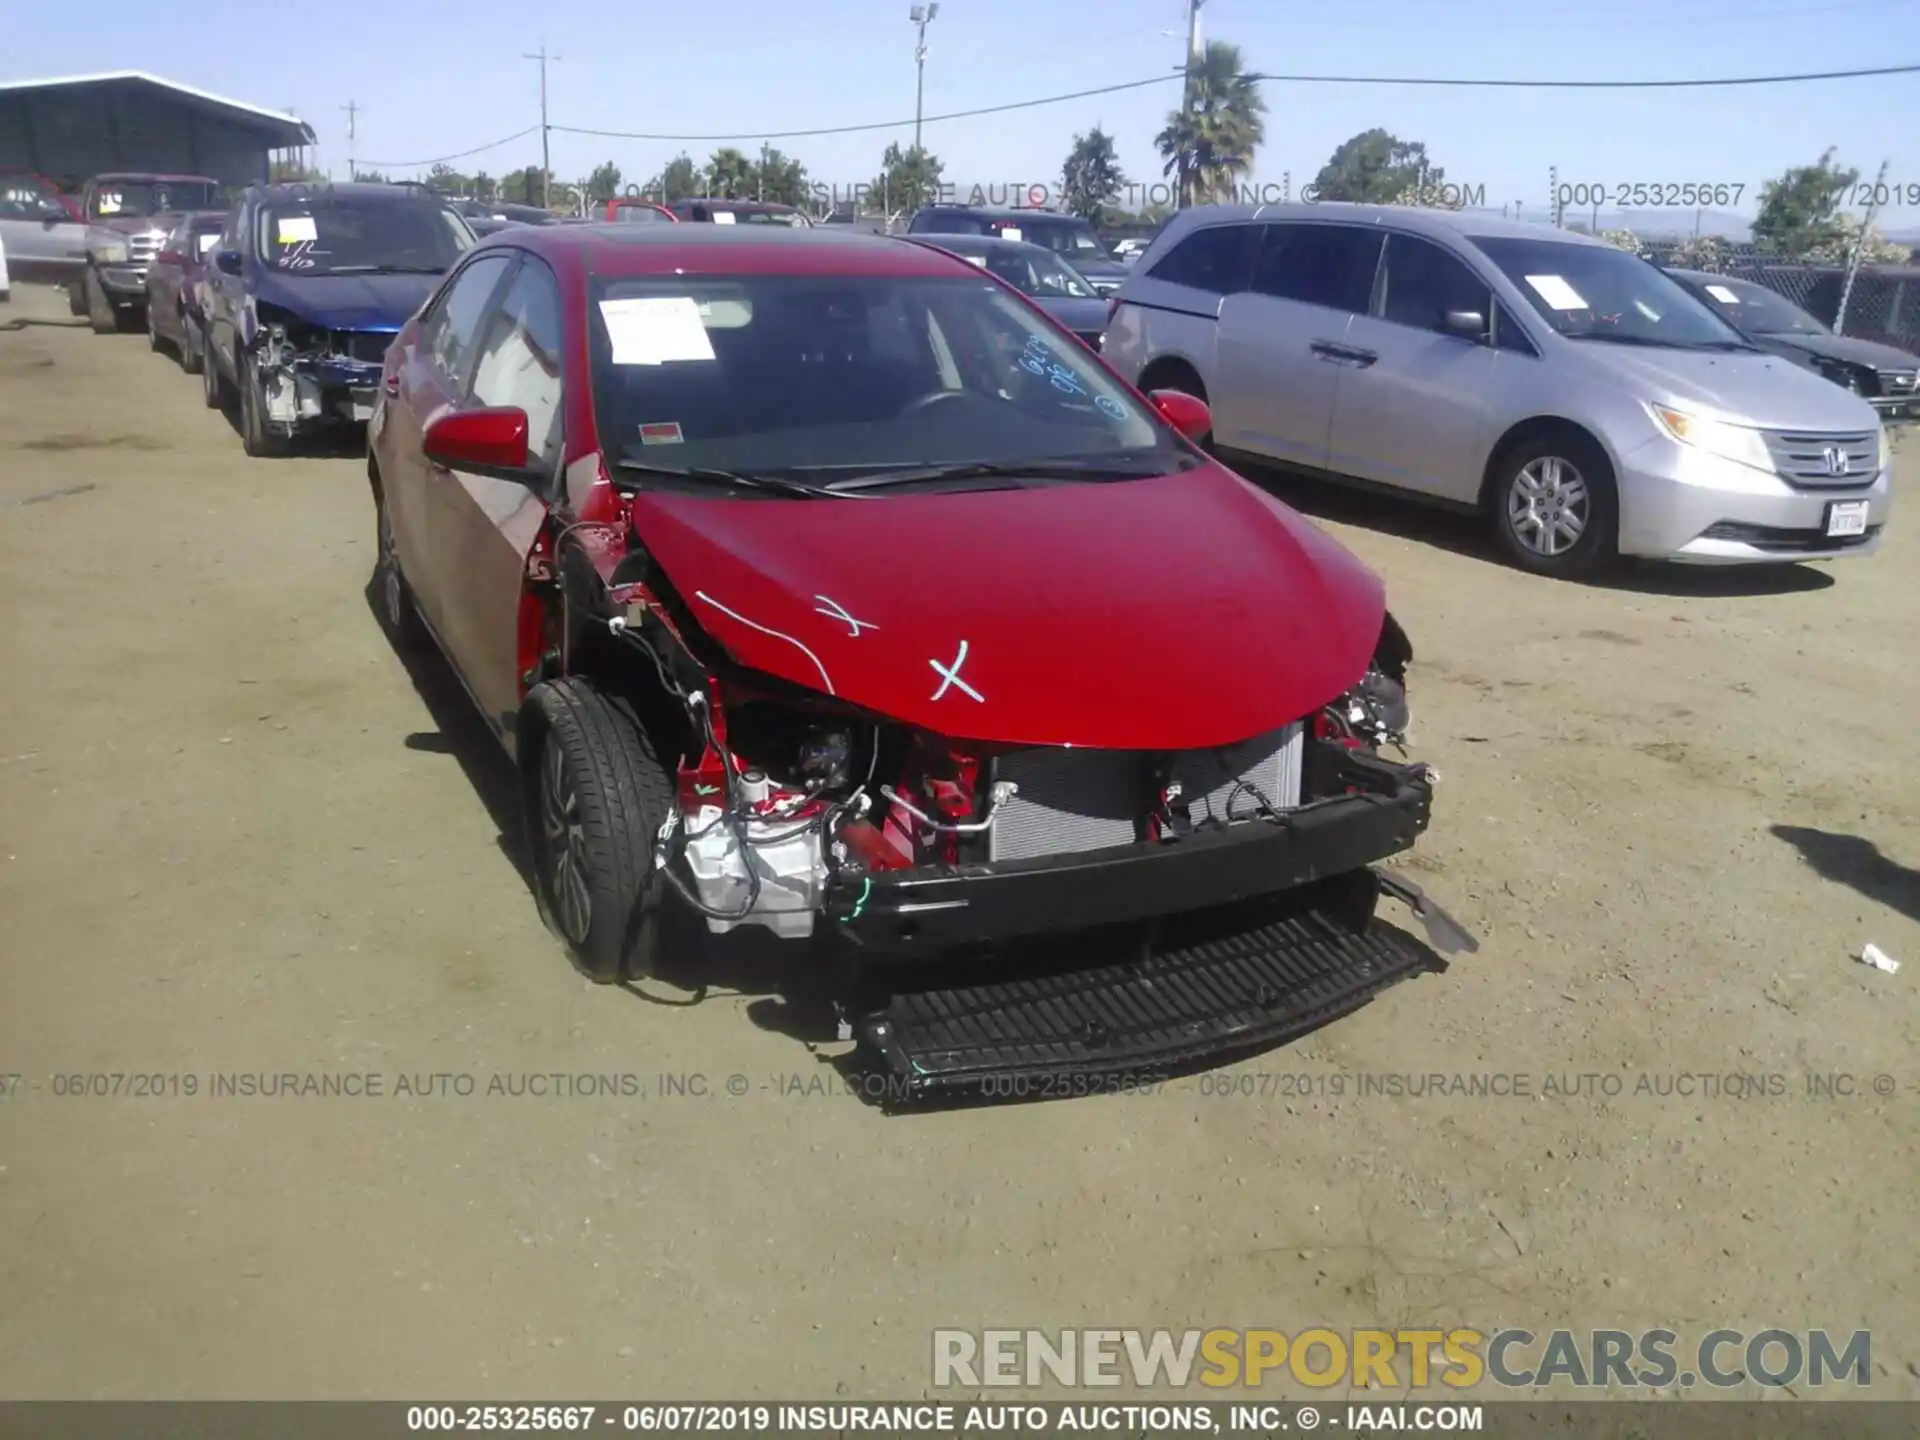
point(190, 346)
point(597, 796)
point(213, 388)
point(257, 437)
point(1544, 486)
point(76, 298)
point(99, 311)
point(154, 341)
point(398, 610)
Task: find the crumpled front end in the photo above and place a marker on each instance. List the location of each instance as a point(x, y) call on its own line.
point(310, 374)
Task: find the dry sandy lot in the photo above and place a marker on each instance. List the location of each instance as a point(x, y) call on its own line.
point(236, 835)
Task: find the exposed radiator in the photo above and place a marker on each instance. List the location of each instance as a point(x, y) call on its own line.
point(1072, 801)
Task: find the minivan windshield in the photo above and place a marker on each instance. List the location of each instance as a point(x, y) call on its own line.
point(1757, 310)
point(838, 377)
point(1595, 292)
point(348, 235)
point(138, 199)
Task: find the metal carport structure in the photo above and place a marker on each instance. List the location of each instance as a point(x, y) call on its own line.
point(82, 125)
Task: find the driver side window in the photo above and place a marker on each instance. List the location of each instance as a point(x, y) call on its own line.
point(448, 335)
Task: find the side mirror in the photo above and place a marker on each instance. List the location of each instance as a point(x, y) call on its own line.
point(1466, 324)
point(490, 441)
point(1191, 416)
point(228, 261)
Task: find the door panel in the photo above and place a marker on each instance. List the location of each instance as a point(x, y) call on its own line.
point(1417, 416)
point(432, 378)
point(484, 527)
point(1282, 346)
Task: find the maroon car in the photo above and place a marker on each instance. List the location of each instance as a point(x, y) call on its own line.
point(820, 582)
point(174, 318)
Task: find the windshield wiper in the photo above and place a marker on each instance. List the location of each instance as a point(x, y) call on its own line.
point(773, 484)
point(1093, 470)
point(384, 269)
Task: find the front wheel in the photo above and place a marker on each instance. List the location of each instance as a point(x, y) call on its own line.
point(77, 298)
point(99, 309)
point(153, 330)
point(257, 435)
point(397, 608)
point(192, 347)
point(597, 797)
point(1555, 507)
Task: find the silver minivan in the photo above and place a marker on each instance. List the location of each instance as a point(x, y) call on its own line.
point(1584, 401)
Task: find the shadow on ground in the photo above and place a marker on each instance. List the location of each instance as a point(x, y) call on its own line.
point(1849, 860)
point(1466, 535)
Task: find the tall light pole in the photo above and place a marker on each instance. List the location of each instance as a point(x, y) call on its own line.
point(352, 107)
point(546, 162)
point(921, 16)
point(1186, 97)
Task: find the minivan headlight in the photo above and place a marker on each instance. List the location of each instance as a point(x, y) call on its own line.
point(1739, 443)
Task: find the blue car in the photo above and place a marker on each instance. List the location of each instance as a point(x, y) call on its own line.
point(307, 287)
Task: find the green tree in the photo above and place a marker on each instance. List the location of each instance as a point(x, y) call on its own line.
point(1092, 177)
point(525, 187)
point(485, 187)
point(1376, 168)
point(371, 177)
point(780, 178)
point(604, 183)
point(289, 172)
point(1851, 231)
point(448, 181)
point(1798, 212)
point(1209, 145)
point(730, 175)
point(907, 180)
point(676, 182)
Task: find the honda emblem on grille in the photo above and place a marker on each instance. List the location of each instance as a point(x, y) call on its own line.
point(1836, 459)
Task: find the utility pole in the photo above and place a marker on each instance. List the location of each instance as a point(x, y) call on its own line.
point(1187, 96)
point(1859, 246)
point(546, 160)
point(353, 112)
point(921, 16)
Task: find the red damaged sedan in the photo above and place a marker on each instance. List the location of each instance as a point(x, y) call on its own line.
point(821, 583)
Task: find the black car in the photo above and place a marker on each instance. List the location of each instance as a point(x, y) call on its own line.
point(1885, 377)
point(1068, 236)
point(1043, 277)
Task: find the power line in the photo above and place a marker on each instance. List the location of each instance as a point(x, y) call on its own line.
point(459, 155)
point(907, 124)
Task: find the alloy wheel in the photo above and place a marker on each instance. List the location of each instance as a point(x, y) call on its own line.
point(565, 843)
point(1548, 506)
point(393, 589)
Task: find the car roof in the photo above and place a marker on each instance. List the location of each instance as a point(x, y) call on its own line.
point(1001, 212)
point(981, 243)
point(1418, 220)
point(349, 189)
point(611, 249)
point(154, 175)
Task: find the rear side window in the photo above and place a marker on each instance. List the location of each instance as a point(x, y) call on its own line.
point(1423, 282)
point(1330, 265)
point(1217, 260)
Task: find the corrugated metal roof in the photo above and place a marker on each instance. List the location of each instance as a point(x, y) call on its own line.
point(289, 128)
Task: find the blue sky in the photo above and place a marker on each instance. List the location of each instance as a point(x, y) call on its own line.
point(433, 77)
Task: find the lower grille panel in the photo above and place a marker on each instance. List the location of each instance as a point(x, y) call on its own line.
point(1219, 985)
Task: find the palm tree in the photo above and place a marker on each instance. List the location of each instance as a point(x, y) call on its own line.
point(1209, 145)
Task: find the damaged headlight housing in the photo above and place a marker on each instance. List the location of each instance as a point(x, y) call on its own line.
point(113, 251)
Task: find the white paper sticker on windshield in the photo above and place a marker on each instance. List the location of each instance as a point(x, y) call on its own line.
point(207, 242)
point(979, 260)
point(655, 330)
point(109, 204)
point(1556, 292)
point(724, 217)
point(1012, 232)
point(296, 228)
point(1723, 295)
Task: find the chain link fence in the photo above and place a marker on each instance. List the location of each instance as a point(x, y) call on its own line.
point(1883, 305)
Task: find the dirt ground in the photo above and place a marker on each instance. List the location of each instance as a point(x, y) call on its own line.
point(238, 836)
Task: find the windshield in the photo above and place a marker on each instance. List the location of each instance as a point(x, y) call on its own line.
point(1072, 238)
point(833, 377)
point(343, 235)
point(1033, 272)
point(1595, 292)
point(1757, 310)
point(141, 198)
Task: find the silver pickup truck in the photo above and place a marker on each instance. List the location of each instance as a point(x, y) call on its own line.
point(128, 220)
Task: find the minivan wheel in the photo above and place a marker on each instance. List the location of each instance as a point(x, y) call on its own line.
point(597, 797)
point(1555, 507)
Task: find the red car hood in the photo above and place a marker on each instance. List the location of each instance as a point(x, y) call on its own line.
point(1172, 613)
